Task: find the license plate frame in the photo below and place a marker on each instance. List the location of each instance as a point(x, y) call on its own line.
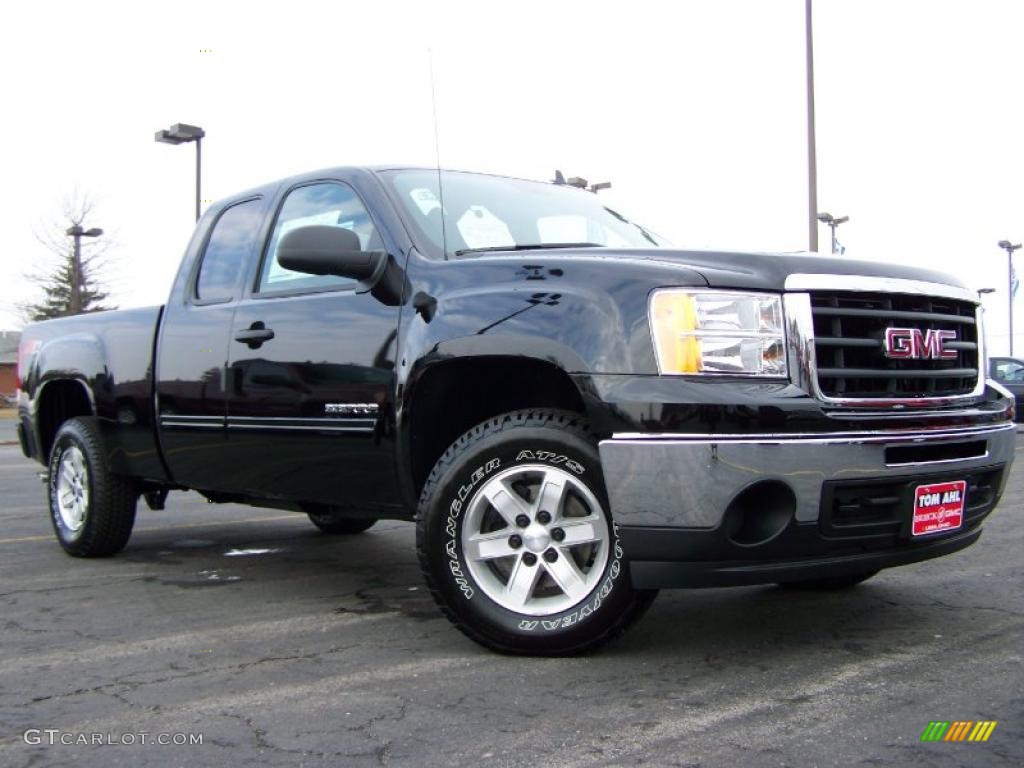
point(938, 508)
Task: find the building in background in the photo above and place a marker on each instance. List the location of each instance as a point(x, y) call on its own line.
point(8, 364)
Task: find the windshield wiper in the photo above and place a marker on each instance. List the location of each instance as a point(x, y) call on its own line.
point(527, 247)
point(647, 235)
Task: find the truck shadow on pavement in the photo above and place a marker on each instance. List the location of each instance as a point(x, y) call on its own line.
point(377, 573)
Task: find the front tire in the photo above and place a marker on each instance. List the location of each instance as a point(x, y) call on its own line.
point(91, 509)
point(516, 542)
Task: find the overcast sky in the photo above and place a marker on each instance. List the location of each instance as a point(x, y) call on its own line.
point(694, 110)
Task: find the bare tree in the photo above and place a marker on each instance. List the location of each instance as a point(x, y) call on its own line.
point(59, 272)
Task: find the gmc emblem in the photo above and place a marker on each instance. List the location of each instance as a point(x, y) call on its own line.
point(912, 343)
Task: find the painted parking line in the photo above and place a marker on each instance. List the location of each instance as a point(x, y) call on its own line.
point(209, 524)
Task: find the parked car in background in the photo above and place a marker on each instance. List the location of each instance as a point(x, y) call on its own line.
point(1009, 371)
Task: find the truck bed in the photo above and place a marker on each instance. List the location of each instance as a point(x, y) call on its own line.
point(111, 355)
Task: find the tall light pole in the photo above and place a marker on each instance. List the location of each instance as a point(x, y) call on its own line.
point(833, 223)
point(181, 133)
point(1009, 248)
point(76, 264)
point(812, 151)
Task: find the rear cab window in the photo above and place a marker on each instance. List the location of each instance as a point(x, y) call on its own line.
point(228, 249)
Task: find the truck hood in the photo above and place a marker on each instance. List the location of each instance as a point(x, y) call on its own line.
point(767, 271)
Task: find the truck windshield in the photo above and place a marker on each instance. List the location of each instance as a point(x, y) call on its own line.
point(490, 213)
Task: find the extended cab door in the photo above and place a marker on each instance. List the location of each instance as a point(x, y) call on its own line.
point(192, 351)
point(311, 370)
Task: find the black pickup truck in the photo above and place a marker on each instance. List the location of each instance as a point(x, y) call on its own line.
point(574, 413)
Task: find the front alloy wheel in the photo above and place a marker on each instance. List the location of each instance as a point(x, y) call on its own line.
point(535, 539)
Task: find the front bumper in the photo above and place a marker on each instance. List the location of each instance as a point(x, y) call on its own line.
point(707, 510)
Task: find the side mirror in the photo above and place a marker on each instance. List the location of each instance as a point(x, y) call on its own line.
point(325, 250)
point(322, 250)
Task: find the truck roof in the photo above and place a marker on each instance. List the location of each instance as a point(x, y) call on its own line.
point(349, 170)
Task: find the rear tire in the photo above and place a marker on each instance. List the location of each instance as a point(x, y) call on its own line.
point(831, 583)
point(334, 522)
point(516, 542)
point(92, 510)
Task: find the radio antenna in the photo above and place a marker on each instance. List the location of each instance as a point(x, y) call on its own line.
point(437, 152)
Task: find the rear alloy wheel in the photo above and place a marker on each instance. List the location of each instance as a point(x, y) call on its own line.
point(72, 494)
point(92, 510)
point(516, 542)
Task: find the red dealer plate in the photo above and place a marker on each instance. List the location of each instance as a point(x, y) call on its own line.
point(939, 507)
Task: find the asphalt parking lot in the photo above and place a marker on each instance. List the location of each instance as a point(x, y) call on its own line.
point(282, 646)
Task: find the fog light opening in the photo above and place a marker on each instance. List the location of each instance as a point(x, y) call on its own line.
point(760, 513)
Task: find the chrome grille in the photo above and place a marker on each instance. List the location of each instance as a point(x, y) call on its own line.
point(849, 332)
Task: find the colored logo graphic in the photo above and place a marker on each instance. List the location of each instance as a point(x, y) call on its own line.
point(958, 730)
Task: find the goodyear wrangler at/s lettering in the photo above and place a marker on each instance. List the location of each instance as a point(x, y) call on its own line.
point(516, 542)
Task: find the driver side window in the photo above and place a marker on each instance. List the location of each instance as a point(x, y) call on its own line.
point(323, 203)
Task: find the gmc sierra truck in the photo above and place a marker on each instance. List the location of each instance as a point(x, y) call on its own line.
point(573, 413)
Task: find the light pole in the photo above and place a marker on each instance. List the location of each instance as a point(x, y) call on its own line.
point(76, 264)
point(812, 151)
point(833, 223)
point(181, 133)
point(1009, 248)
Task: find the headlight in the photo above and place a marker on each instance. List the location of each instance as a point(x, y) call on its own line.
point(699, 331)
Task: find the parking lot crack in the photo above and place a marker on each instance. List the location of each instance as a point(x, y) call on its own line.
point(260, 740)
point(122, 685)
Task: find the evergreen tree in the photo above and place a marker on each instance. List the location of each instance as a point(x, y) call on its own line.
point(57, 278)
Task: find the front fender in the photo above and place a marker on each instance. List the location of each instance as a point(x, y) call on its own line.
point(576, 329)
point(574, 314)
point(584, 314)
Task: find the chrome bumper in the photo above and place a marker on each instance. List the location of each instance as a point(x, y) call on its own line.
point(688, 481)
